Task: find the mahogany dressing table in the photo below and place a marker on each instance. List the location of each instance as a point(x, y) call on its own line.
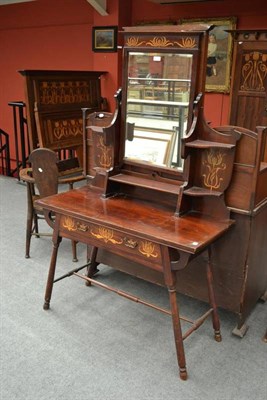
point(240, 280)
point(157, 210)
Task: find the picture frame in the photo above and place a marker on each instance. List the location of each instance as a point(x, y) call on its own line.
point(156, 144)
point(219, 68)
point(104, 38)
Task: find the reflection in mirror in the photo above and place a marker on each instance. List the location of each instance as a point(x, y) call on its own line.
point(158, 93)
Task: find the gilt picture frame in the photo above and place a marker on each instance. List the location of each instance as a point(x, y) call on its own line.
point(218, 72)
point(156, 146)
point(104, 38)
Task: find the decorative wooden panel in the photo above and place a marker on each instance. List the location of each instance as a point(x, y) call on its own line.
point(54, 100)
point(249, 79)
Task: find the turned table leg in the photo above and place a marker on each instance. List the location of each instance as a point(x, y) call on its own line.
point(177, 333)
point(92, 267)
point(170, 281)
point(51, 274)
point(215, 316)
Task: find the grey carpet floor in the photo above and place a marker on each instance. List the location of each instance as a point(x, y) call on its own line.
point(93, 344)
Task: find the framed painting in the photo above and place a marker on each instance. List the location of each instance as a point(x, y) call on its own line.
point(151, 145)
point(219, 52)
point(104, 38)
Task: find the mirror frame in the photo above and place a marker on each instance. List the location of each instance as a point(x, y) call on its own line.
point(163, 39)
point(167, 96)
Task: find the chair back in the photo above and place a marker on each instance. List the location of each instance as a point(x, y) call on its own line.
point(44, 171)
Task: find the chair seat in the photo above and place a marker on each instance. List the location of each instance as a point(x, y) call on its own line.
point(65, 177)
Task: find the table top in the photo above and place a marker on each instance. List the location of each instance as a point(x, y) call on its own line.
point(191, 232)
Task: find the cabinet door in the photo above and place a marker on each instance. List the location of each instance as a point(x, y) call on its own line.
point(249, 81)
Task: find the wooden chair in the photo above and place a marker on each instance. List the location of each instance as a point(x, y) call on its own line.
point(42, 180)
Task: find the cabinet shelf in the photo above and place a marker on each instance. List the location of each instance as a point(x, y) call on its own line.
point(199, 191)
point(146, 183)
point(205, 144)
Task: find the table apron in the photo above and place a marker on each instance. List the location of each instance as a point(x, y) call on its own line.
point(132, 247)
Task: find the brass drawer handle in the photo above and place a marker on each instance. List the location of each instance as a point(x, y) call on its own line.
point(82, 227)
point(130, 243)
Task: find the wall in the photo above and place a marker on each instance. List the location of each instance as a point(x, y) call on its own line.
point(32, 36)
point(250, 14)
point(119, 15)
point(48, 34)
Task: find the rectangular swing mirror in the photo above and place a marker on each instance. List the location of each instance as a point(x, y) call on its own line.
point(158, 93)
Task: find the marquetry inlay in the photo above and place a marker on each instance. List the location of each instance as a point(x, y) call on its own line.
point(187, 42)
point(69, 224)
point(134, 42)
point(254, 71)
point(65, 128)
point(213, 164)
point(148, 249)
point(161, 41)
point(105, 156)
point(64, 92)
point(105, 234)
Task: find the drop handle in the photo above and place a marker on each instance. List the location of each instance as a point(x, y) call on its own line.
point(82, 227)
point(131, 243)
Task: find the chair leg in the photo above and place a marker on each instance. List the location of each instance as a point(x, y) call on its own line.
point(215, 316)
point(29, 224)
point(74, 251)
point(35, 226)
point(28, 235)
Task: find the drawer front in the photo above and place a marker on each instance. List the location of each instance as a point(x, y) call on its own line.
point(133, 247)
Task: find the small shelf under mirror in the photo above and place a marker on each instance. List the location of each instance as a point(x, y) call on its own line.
point(157, 185)
point(204, 144)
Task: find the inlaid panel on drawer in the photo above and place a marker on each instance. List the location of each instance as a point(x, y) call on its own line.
point(123, 244)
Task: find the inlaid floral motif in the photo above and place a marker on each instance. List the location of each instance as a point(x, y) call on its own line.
point(64, 92)
point(105, 156)
point(254, 71)
point(214, 164)
point(69, 224)
point(66, 128)
point(187, 42)
point(148, 249)
point(159, 42)
point(134, 42)
point(105, 234)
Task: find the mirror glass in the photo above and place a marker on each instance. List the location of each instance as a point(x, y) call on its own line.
point(158, 93)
